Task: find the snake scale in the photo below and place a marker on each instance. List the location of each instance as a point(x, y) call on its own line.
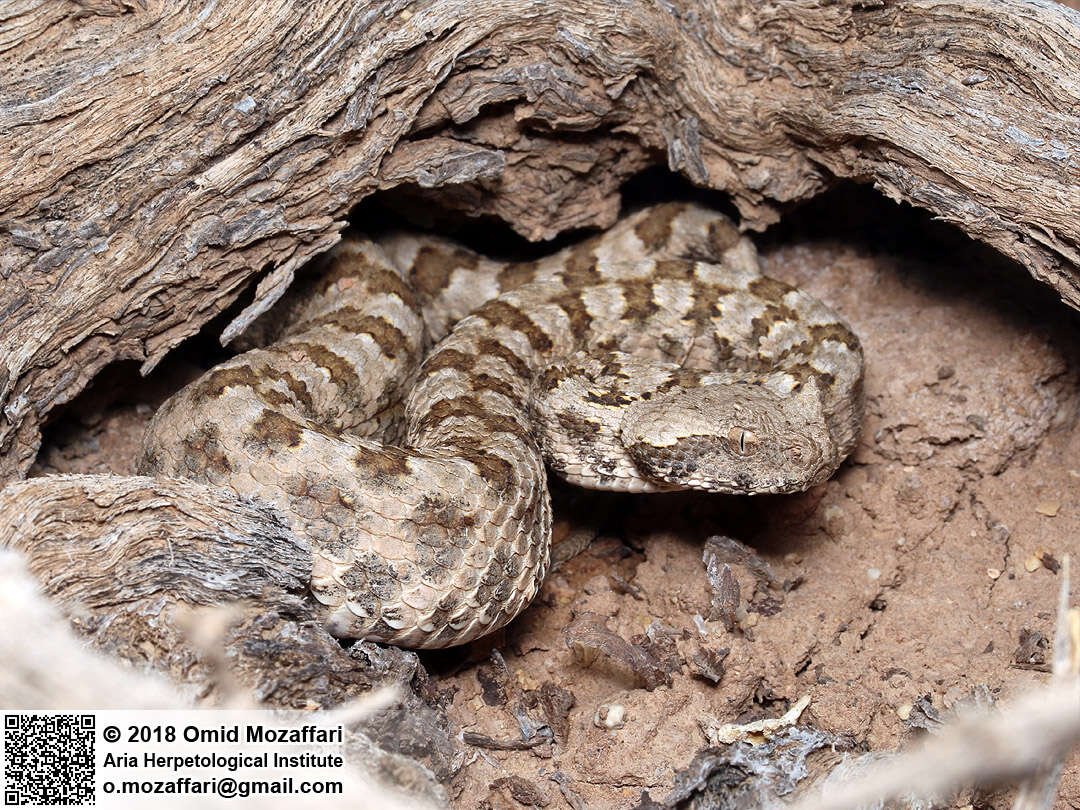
point(402, 417)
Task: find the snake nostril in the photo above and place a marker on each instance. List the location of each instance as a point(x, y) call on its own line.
point(802, 456)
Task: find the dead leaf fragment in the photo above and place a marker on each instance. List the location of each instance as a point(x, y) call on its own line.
point(754, 733)
point(1032, 652)
point(587, 635)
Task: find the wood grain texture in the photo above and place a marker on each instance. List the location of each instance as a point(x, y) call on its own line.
point(160, 156)
point(132, 561)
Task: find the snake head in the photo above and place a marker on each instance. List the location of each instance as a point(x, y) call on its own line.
point(734, 438)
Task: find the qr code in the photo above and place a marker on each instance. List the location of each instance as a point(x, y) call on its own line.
point(49, 759)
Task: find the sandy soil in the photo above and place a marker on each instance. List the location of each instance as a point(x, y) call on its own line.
point(926, 567)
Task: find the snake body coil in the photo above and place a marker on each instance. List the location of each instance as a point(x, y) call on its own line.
point(651, 357)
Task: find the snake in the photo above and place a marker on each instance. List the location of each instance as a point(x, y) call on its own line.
point(402, 406)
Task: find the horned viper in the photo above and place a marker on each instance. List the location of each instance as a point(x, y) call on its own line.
point(402, 418)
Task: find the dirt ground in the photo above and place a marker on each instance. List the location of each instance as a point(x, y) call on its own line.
point(925, 569)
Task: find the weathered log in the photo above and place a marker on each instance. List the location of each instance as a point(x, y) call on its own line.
point(131, 560)
point(160, 156)
point(64, 674)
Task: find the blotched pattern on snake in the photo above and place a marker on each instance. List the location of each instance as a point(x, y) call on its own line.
point(654, 356)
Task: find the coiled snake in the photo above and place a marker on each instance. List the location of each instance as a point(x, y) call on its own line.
point(654, 356)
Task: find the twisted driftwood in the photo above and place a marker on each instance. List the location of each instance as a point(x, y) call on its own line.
point(159, 155)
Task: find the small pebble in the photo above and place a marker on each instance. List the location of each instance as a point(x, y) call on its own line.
point(1048, 508)
point(834, 519)
point(610, 716)
point(903, 711)
point(1032, 563)
point(993, 573)
point(873, 573)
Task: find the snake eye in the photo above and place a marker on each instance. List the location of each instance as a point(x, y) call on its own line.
point(743, 441)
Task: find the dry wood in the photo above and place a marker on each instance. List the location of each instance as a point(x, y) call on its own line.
point(128, 557)
point(65, 674)
point(162, 155)
point(135, 563)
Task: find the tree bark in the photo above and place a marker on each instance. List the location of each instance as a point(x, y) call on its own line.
point(160, 156)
